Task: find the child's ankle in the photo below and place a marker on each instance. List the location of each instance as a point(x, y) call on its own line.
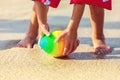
point(100, 37)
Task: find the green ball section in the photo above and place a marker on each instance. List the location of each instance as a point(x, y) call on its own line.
point(47, 43)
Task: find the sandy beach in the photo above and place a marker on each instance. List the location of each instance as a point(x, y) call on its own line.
point(34, 64)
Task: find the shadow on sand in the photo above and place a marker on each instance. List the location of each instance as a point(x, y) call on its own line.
point(91, 56)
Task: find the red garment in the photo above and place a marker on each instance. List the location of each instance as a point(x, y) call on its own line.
point(101, 3)
point(54, 3)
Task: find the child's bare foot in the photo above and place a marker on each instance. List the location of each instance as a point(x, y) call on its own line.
point(101, 47)
point(27, 42)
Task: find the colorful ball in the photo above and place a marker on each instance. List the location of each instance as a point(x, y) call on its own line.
point(48, 44)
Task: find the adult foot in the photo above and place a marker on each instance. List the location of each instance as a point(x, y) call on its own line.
point(100, 47)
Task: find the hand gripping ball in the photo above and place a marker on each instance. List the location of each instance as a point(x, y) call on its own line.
point(48, 44)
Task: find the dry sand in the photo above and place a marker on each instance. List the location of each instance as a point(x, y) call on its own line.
point(34, 64)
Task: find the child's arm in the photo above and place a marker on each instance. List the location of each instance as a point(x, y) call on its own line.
point(41, 11)
point(70, 33)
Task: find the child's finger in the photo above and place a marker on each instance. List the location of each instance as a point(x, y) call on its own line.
point(66, 48)
point(76, 44)
point(71, 47)
point(61, 36)
point(45, 29)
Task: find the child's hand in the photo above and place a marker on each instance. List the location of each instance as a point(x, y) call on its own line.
point(45, 29)
point(71, 41)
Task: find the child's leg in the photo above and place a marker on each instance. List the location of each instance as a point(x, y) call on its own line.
point(97, 21)
point(32, 32)
point(39, 15)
